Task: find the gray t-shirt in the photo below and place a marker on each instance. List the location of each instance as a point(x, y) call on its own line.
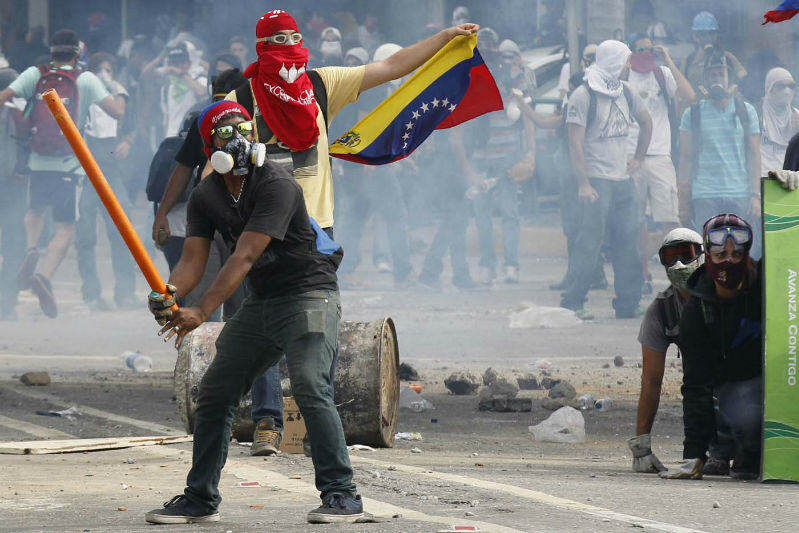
point(653, 333)
point(605, 146)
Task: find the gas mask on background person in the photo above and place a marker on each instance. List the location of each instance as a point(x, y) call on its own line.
point(679, 273)
point(728, 274)
point(237, 155)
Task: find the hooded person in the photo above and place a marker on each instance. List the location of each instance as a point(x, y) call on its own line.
point(780, 120)
point(587, 59)
point(599, 120)
point(330, 47)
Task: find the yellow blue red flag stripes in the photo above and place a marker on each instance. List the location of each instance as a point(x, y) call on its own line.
point(451, 87)
point(784, 11)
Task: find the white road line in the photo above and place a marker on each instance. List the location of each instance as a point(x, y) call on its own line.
point(33, 429)
point(534, 495)
point(158, 429)
point(69, 357)
point(245, 471)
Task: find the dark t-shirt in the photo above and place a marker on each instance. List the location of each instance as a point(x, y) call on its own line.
point(271, 203)
point(191, 153)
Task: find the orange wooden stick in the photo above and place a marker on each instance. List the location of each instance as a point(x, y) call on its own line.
point(104, 190)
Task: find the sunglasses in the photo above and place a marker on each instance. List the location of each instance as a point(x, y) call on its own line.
point(785, 85)
point(226, 132)
point(717, 237)
point(684, 253)
point(282, 38)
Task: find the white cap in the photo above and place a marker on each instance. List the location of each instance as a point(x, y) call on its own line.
point(509, 47)
point(384, 51)
point(360, 53)
point(330, 31)
point(682, 235)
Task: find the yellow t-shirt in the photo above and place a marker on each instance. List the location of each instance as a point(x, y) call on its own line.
point(311, 168)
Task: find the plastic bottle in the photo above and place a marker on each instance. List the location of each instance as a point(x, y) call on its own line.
point(137, 362)
point(586, 402)
point(604, 404)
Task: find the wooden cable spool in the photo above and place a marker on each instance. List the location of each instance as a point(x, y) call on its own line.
point(366, 381)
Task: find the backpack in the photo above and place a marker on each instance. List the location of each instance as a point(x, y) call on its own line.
point(669, 317)
point(672, 110)
point(46, 137)
point(162, 166)
point(696, 130)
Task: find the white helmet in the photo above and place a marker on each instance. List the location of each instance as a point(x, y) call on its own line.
point(679, 272)
point(384, 51)
point(509, 47)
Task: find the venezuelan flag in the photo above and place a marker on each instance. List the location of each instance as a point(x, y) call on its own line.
point(784, 11)
point(451, 87)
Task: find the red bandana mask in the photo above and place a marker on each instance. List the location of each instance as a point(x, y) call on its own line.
point(643, 62)
point(282, 89)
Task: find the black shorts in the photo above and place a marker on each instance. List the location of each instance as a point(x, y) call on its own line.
point(56, 190)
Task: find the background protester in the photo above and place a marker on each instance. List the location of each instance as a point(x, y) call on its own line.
point(779, 119)
point(705, 30)
point(181, 89)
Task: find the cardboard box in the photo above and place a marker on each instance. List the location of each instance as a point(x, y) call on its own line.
point(293, 427)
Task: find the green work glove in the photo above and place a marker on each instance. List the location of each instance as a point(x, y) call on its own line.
point(160, 304)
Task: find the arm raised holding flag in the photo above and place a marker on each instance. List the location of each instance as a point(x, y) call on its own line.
point(409, 59)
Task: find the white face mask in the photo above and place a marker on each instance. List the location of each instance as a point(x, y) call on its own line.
point(330, 48)
point(783, 97)
point(513, 112)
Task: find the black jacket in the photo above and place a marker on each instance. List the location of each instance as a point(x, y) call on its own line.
point(721, 341)
point(792, 154)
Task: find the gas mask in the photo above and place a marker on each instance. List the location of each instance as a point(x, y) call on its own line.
point(679, 273)
point(728, 274)
point(237, 155)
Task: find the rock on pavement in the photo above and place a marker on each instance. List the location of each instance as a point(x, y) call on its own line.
point(35, 379)
point(462, 383)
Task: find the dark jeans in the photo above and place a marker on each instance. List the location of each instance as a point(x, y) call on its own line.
point(705, 208)
point(616, 209)
point(12, 239)
point(504, 195)
point(304, 327)
point(378, 194)
point(740, 412)
point(89, 207)
point(450, 237)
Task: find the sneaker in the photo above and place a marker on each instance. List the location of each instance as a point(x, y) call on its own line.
point(583, 314)
point(716, 467)
point(27, 268)
point(486, 276)
point(266, 439)
point(383, 267)
point(43, 290)
point(179, 510)
point(337, 508)
point(511, 274)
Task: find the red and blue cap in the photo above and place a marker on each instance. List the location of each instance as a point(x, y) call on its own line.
point(212, 114)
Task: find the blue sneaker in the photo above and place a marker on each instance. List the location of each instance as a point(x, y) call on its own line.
point(179, 510)
point(337, 508)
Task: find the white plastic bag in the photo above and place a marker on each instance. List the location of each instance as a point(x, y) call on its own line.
point(534, 316)
point(410, 399)
point(564, 425)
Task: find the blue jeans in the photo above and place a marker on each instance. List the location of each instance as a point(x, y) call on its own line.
point(705, 208)
point(89, 207)
point(741, 413)
point(304, 327)
point(12, 235)
point(504, 195)
point(450, 237)
point(616, 209)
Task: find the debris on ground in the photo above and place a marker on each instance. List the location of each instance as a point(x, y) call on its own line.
point(506, 405)
point(501, 387)
point(548, 382)
point(360, 448)
point(130, 461)
point(606, 365)
point(408, 373)
point(553, 404)
point(69, 413)
point(563, 389)
point(35, 379)
point(542, 365)
point(535, 316)
point(716, 505)
point(406, 435)
point(528, 382)
point(122, 508)
point(566, 425)
point(462, 383)
point(411, 399)
point(618, 361)
point(416, 450)
point(247, 484)
point(137, 362)
point(39, 447)
point(586, 402)
point(603, 404)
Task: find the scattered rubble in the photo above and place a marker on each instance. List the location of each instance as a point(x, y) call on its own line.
point(562, 389)
point(553, 404)
point(502, 387)
point(528, 382)
point(408, 373)
point(69, 413)
point(566, 425)
point(586, 402)
point(506, 405)
point(416, 450)
point(534, 316)
point(618, 361)
point(35, 379)
point(408, 436)
point(490, 376)
point(410, 399)
point(462, 383)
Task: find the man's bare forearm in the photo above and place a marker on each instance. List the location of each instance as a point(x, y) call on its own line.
point(651, 385)
point(644, 135)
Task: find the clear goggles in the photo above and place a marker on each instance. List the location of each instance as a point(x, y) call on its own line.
point(281, 38)
point(717, 237)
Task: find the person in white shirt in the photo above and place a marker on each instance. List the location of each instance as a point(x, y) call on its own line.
point(588, 59)
point(779, 119)
point(659, 86)
point(183, 88)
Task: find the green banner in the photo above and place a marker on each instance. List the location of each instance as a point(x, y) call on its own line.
point(781, 410)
